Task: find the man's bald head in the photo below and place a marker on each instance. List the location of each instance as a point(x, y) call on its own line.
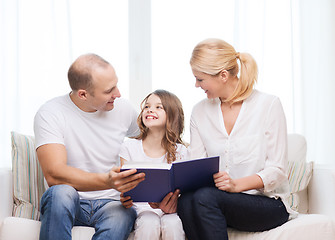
point(80, 72)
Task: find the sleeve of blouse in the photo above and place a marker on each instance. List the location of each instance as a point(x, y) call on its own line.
point(196, 148)
point(274, 172)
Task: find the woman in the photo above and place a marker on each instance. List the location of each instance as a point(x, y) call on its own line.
point(247, 129)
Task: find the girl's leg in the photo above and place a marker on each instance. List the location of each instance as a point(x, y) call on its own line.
point(171, 227)
point(216, 209)
point(147, 226)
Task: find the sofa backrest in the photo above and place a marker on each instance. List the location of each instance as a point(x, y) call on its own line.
point(28, 180)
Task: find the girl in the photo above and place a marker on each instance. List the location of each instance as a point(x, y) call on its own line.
point(161, 123)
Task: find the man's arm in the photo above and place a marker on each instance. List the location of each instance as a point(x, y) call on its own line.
point(53, 160)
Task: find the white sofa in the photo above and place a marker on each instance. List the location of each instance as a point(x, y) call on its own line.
point(316, 206)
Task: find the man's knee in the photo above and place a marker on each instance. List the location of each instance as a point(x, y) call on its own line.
point(114, 221)
point(60, 196)
point(115, 212)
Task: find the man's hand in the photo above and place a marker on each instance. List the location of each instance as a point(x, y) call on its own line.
point(124, 181)
point(126, 201)
point(169, 203)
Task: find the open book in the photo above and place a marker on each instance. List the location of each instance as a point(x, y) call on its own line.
point(162, 178)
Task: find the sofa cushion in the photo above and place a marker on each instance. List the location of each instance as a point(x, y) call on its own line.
point(30, 230)
point(28, 185)
point(299, 171)
point(304, 227)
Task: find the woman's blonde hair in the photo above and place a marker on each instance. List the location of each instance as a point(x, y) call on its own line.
point(174, 122)
point(212, 56)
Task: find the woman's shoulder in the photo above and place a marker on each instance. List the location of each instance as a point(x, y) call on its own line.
point(259, 96)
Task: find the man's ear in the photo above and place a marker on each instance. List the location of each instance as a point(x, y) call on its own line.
point(82, 94)
point(224, 75)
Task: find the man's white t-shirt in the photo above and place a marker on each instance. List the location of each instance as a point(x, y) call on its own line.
point(92, 139)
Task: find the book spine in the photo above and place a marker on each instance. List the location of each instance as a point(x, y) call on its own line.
point(172, 184)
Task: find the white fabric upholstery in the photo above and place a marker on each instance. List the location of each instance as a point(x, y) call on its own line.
point(304, 227)
point(322, 191)
point(6, 193)
point(30, 229)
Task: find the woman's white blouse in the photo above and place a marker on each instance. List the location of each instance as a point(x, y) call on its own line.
point(257, 143)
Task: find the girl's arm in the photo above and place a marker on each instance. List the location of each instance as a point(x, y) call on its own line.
point(126, 201)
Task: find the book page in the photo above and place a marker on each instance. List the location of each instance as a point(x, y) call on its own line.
point(146, 165)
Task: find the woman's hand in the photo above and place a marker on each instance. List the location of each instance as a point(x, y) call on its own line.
point(168, 204)
point(126, 201)
point(224, 182)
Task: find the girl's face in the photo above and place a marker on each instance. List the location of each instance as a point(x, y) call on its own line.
point(154, 115)
point(210, 84)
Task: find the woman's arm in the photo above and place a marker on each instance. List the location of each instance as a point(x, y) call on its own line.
point(275, 168)
point(224, 182)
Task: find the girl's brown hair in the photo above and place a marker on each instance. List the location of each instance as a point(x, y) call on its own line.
point(174, 122)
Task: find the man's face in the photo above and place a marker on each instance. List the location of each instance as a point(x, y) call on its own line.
point(104, 90)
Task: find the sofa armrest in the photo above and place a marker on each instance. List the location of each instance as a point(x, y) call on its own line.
point(6, 193)
point(321, 190)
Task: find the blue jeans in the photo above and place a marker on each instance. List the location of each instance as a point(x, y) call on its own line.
point(208, 212)
point(61, 209)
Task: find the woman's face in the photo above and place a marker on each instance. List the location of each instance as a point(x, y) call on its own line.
point(209, 83)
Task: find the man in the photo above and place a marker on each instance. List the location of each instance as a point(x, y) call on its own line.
point(78, 137)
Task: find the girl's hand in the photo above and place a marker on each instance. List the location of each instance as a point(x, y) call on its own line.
point(169, 203)
point(224, 182)
point(126, 201)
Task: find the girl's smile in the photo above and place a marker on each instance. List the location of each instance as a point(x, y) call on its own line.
point(154, 114)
